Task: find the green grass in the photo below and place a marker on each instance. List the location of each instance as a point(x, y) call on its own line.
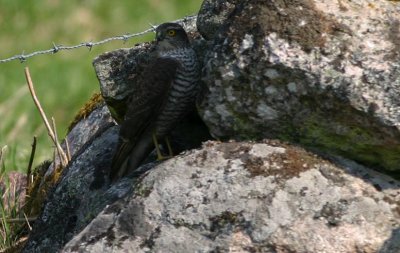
point(63, 81)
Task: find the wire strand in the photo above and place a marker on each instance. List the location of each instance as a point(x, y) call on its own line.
point(57, 48)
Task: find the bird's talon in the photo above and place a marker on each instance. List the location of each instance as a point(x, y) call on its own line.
point(162, 158)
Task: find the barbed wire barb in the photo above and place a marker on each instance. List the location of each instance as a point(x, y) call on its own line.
point(57, 48)
point(154, 26)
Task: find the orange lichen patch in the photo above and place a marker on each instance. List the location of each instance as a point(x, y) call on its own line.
point(287, 164)
point(234, 150)
point(92, 104)
point(282, 165)
point(393, 201)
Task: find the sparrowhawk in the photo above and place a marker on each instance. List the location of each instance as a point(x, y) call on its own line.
point(163, 93)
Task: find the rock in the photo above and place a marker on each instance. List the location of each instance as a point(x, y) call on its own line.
point(324, 74)
point(91, 122)
point(81, 193)
point(115, 70)
point(250, 197)
point(85, 129)
point(212, 16)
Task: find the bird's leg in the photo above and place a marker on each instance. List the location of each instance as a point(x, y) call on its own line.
point(169, 147)
point(159, 155)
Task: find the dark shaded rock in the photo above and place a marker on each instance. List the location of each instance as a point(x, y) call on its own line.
point(209, 200)
point(82, 192)
point(83, 131)
point(324, 74)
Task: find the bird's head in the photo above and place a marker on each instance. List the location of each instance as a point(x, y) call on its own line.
point(171, 36)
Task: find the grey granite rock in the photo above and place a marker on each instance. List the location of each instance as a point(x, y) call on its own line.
point(213, 15)
point(324, 74)
point(115, 70)
point(250, 197)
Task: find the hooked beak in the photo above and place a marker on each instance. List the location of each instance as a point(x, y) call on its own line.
point(158, 37)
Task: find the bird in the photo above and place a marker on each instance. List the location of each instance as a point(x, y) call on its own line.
point(164, 92)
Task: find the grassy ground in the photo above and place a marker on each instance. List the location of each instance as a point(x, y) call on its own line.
point(63, 81)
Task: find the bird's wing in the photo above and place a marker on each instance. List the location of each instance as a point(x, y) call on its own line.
point(149, 95)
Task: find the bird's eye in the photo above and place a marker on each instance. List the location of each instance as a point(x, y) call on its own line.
point(171, 32)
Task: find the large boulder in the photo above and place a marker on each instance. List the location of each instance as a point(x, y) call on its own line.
point(324, 74)
point(250, 197)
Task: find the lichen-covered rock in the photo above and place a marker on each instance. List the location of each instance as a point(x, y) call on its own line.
point(115, 70)
point(213, 15)
point(250, 197)
point(325, 74)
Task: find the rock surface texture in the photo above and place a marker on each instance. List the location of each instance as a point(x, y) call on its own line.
point(249, 197)
point(325, 74)
point(82, 191)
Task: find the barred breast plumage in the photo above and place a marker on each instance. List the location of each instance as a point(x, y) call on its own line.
point(162, 95)
point(183, 90)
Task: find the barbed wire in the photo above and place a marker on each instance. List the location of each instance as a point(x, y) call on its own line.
point(57, 48)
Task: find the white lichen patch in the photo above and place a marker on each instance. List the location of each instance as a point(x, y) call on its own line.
point(247, 42)
point(265, 150)
point(271, 73)
point(229, 94)
point(302, 23)
point(227, 72)
point(222, 111)
point(266, 112)
point(270, 90)
point(292, 87)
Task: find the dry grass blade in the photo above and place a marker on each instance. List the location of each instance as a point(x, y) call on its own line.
point(21, 220)
point(63, 157)
point(67, 147)
point(29, 219)
point(2, 152)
